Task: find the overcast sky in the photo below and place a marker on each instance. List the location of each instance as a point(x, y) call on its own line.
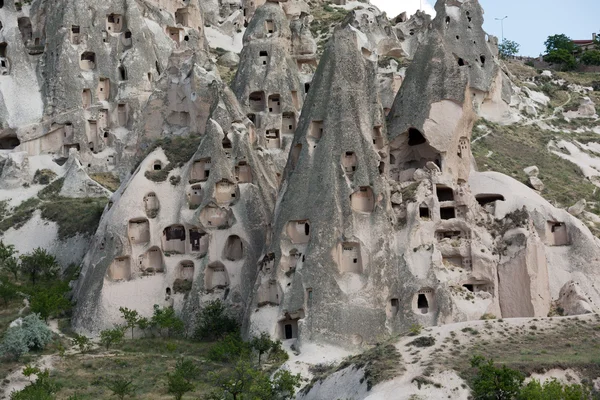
point(529, 22)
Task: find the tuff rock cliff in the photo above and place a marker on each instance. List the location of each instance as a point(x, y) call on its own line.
point(328, 194)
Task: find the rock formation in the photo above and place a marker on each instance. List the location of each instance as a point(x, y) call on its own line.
point(323, 200)
point(267, 82)
point(317, 280)
point(181, 232)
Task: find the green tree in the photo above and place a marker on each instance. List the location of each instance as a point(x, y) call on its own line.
point(180, 382)
point(284, 384)
point(143, 324)
point(229, 349)
point(559, 42)
point(50, 301)
point(43, 388)
point(491, 383)
point(109, 337)
point(6, 251)
point(39, 265)
point(508, 48)
point(8, 291)
point(591, 57)
point(262, 344)
point(165, 318)
point(131, 318)
point(121, 387)
point(83, 342)
point(214, 322)
point(11, 265)
point(178, 386)
point(554, 390)
point(246, 382)
point(563, 57)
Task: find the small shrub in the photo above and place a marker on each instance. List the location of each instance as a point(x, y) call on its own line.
point(487, 316)
point(182, 285)
point(214, 322)
point(175, 179)
point(43, 176)
point(415, 330)
point(83, 342)
point(230, 348)
point(121, 387)
point(33, 334)
point(423, 341)
point(109, 337)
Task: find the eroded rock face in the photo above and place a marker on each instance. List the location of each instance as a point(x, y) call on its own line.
point(315, 279)
point(403, 231)
point(381, 221)
point(573, 300)
point(267, 82)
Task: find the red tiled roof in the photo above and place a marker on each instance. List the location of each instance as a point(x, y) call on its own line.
point(587, 41)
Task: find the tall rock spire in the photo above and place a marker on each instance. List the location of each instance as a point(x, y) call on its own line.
point(328, 251)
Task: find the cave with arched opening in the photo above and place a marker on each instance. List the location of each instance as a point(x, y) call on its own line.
point(200, 170)
point(152, 260)
point(173, 239)
point(151, 205)
point(298, 231)
point(213, 216)
point(139, 231)
point(198, 241)
point(216, 276)
point(120, 269)
point(363, 200)
point(349, 162)
point(234, 248)
point(424, 301)
point(349, 258)
point(243, 172)
point(9, 142)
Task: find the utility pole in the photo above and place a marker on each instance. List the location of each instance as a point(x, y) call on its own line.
point(502, 25)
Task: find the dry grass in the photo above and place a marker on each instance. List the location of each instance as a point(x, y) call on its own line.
point(516, 147)
point(537, 346)
point(145, 361)
point(108, 180)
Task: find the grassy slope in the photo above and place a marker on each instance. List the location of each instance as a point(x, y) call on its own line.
point(515, 147)
point(145, 361)
point(509, 149)
point(537, 346)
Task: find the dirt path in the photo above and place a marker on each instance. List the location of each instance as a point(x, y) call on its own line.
point(18, 381)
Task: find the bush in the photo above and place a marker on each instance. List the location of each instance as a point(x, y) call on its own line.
point(495, 383)
point(39, 265)
point(43, 176)
point(83, 342)
point(165, 318)
point(214, 322)
point(51, 301)
point(109, 337)
point(591, 57)
point(121, 387)
point(563, 57)
point(554, 390)
point(180, 382)
point(423, 341)
point(33, 334)
point(43, 388)
point(415, 330)
point(230, 348)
